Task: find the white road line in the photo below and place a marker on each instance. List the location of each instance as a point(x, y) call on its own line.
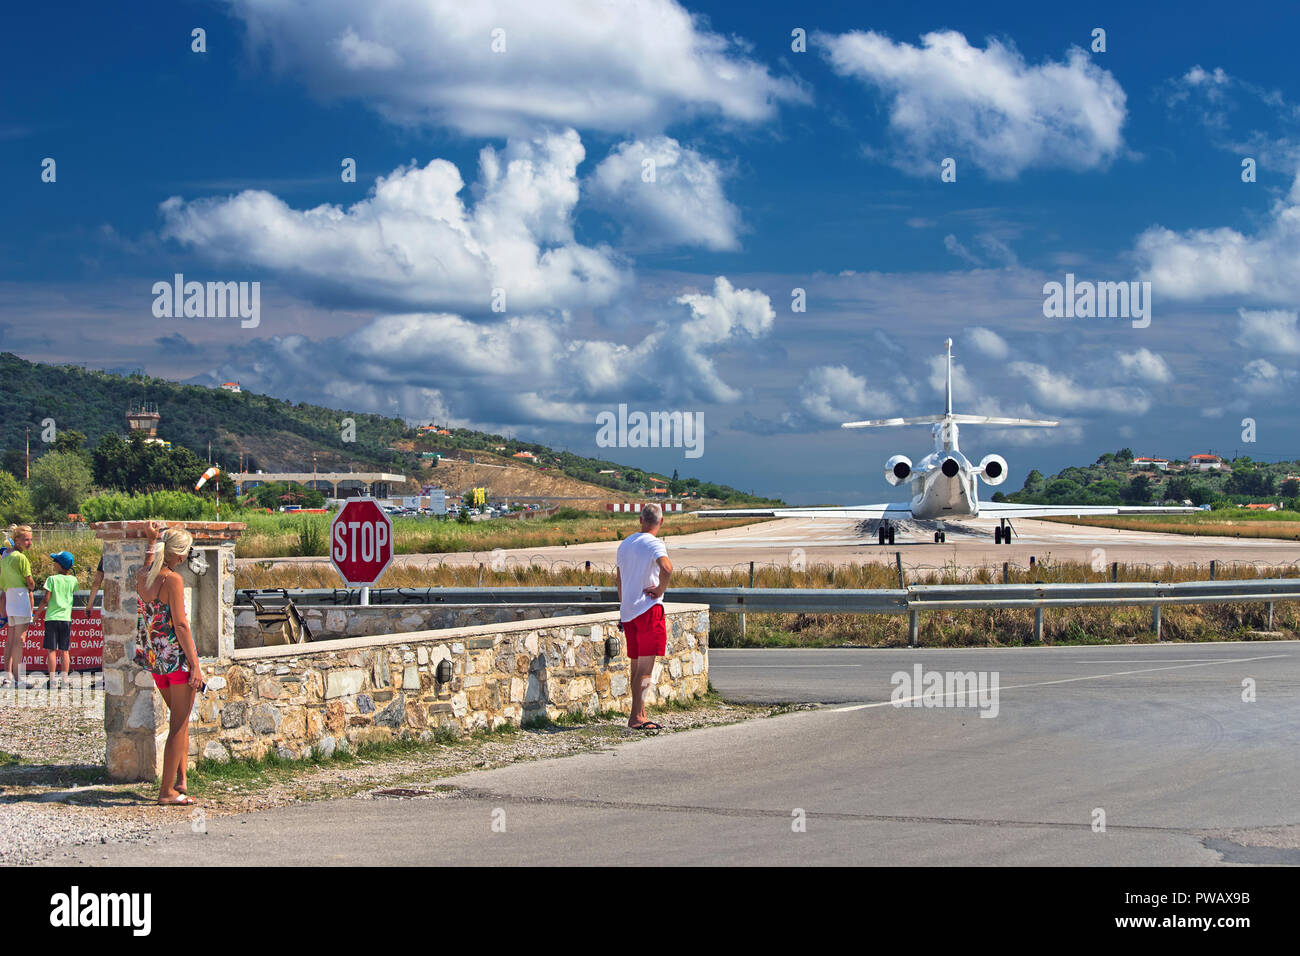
point(1171, 660)
point(1067, 680)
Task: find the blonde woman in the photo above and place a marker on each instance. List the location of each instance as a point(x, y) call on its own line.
point(16, 587)
point(165, 646)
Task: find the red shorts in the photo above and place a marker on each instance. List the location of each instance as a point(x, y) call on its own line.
point(168, 680)
point(647, 635)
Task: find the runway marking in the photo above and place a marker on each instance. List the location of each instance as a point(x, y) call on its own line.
point(1066, 680)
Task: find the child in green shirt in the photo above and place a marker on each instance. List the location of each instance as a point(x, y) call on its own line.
point(57, 608)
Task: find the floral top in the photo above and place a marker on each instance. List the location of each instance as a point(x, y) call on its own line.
point(156, 646)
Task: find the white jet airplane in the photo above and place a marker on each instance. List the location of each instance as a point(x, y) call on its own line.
point(944, 483)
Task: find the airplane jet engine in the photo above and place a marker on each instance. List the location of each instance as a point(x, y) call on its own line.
point(898, 469)
point(993, 469)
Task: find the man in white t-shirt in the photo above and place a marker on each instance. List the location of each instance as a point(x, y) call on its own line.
point(642, 578)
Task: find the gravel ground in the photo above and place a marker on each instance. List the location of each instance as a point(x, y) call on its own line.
point(54, 795)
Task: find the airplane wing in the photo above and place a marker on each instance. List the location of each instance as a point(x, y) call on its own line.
point(1010, 509)
point(898, 511)
point(957, 419)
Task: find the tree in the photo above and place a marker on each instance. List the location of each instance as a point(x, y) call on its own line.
point(15, 505)
point(1124, 455)
point(60, 482)
point(137, 465)
point(69, 440)
point(1290, 488)
point(1137, 491)
point(1180, 488)
point(14, 462)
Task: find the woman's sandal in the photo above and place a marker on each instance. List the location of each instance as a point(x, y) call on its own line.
point(184, 800)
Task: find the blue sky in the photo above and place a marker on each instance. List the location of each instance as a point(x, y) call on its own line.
point(521, 169)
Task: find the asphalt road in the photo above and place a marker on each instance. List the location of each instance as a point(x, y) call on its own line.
point(1156, 737)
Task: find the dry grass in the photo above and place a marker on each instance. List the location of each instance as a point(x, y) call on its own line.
point(1212, 523)
point(281, 536)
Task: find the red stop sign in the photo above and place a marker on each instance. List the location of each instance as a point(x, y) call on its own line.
point(361, 542)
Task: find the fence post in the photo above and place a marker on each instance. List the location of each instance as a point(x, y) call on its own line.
point(898, 562)
point(1155, 620)
point(1114, 572)
point(1038, 625)
point(1006, 573)
point(1213, 568)
point(1270, 615)
point(742, 613)
point(913, 627)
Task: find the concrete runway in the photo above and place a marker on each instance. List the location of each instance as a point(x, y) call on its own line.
point(836, 541)
point(1158, 737)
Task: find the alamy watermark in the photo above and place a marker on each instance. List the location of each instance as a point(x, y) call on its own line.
point(922, 688)
point(651, 430)
point(211, 300)
point(1098, 300)
point(84, 689)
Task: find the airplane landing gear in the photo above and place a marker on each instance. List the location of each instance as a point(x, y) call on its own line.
point(940, 537)
point(886, 532)
point(1002, 533)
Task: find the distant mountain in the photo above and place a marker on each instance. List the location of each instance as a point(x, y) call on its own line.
point(271, 434)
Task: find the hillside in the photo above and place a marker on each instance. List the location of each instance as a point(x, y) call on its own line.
point(1116, 479)
point(276, 435)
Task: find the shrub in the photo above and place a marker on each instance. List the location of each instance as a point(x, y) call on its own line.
point(156, 505)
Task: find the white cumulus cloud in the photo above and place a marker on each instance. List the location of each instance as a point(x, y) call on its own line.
point(832, 394)
point(526, 369)
point(414, 242)
point(1145, 366)
point(1058, 390)
point(1199, 264)
point(948, 98)
point(1268, 330)
point(666, 195)
point(987, 342)
point(510, 67)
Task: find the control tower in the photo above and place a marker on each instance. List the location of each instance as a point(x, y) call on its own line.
point(143, 419)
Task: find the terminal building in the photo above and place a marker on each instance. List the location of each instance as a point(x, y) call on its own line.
point(332, 484)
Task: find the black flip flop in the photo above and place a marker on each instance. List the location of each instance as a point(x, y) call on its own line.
point(648, 725)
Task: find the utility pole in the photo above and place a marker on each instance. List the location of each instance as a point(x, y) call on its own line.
point(27, 466)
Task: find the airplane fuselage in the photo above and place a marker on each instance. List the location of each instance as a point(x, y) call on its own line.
point(944, 480)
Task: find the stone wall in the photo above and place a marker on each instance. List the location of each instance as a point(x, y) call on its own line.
point(329, 622)
point(318, 696)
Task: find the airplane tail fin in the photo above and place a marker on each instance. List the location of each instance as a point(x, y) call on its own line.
point(948, 390)
point(948, 416)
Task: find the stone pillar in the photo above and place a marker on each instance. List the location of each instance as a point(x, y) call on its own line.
point(135, 717)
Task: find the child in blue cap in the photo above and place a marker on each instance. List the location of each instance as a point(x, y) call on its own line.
point(60, 590)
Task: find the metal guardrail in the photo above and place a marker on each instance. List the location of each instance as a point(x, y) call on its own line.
point(911, 600)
